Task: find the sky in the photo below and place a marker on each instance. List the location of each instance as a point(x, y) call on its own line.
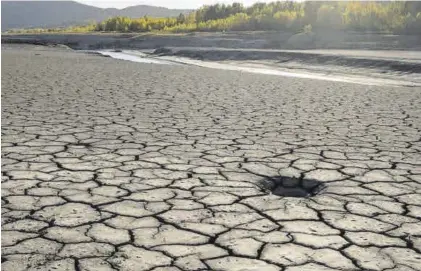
point(182, 4)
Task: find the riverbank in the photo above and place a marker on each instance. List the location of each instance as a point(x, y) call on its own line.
point(370, 75)
point(383, 57)
point(244, 39)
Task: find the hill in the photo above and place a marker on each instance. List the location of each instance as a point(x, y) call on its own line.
point(29, 14)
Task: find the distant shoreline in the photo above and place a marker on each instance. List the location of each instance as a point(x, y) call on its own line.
point(246, 39)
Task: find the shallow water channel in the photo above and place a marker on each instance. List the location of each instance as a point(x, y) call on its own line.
point(242, 66)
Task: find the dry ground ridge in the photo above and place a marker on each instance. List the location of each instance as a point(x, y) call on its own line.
point(115, 165)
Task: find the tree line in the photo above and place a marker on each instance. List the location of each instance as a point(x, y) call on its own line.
point(389, 16)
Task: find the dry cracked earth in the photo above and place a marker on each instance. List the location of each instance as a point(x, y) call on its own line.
point(114, 165)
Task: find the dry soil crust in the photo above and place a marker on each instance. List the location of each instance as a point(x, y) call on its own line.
point(114, 165)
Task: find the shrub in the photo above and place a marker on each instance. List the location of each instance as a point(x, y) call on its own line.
point(308, 28)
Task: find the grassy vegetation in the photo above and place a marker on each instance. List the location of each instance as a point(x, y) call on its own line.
point(390, 16)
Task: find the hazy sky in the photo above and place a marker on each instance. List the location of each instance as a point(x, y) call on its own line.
point(163, 3)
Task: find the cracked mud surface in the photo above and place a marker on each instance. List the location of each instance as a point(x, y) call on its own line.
point(113, 165)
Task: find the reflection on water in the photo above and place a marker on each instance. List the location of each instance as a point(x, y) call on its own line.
point(134, 56)
point(137, 56)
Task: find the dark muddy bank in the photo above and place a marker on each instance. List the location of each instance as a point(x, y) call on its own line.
point(284, 57)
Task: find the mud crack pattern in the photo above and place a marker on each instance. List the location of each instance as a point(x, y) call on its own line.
point(112, 165)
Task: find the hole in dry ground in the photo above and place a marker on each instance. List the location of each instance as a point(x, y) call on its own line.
point(79, 144)
point(291, 187)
